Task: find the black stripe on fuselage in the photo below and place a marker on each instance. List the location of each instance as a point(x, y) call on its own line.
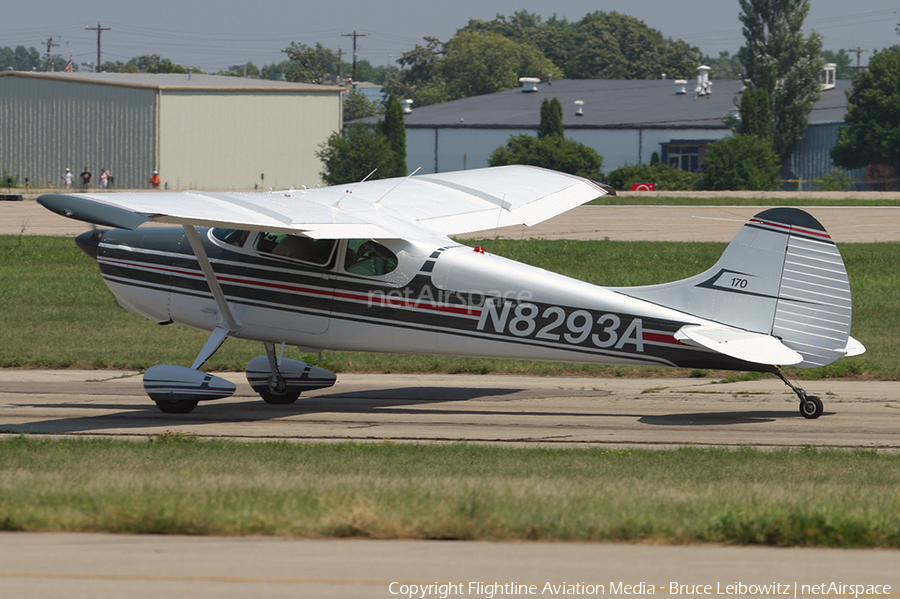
point(309, 293)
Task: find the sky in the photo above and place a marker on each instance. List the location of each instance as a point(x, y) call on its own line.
point(216, 35)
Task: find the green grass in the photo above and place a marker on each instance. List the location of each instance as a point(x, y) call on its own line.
point(180, 485)
point(57, 313)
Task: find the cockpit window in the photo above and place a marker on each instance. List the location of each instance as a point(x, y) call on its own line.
point(367, 257)
point(234, 237)
point(306, 249)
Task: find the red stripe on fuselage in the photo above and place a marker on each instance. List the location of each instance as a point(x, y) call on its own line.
point(379, 298)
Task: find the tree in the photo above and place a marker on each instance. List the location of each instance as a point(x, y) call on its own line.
point(556, 38)
point(616, 46)
point(551, 119)
point(725, 66)
point(394, 131)
point(550, 149)
point(358, 106)
point(667, 178)
point(20, 59)
point(470, 64)
point(601, 45)
point(780, 60)
point(309, 65)
point(871, 130)
point(247, 69)
point(740, 162)
point(351, 154)
point(167, 66)
point(756, 115)
point(551, 152)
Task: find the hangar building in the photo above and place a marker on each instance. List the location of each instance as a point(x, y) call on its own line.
point(198, 131)
point(625, 121)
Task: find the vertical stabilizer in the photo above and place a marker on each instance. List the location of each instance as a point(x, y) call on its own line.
point(782, 275)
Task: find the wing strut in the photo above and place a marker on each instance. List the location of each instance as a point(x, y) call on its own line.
point(231, 322)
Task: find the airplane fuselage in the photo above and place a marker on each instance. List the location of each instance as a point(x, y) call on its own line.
point(440, 298)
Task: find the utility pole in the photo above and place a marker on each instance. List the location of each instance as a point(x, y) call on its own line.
point(99, 30)
point(50, 45)
point(858, 52)
point(341, 65)
point(354, 35)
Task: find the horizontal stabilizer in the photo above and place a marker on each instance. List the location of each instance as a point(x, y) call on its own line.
point(854, 348)
point(743, 345)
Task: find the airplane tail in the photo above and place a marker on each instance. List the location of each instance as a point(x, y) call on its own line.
point(781, 276)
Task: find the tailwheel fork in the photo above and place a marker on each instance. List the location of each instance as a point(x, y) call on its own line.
point(811, 407)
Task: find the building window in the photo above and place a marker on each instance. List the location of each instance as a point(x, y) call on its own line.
point(685, 155)
point(684, 158)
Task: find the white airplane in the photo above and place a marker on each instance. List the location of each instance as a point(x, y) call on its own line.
point(371, 267)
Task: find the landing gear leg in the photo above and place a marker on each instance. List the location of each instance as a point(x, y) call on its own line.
point(276, 392)
point(811, 407)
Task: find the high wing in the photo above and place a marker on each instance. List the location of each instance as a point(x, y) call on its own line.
point(400, 208)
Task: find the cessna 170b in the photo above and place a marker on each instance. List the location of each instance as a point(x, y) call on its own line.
point(371, 267)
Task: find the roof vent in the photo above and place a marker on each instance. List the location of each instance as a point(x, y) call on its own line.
point(681, 86)
point(407, 106)
point(579, 107)
point(529, 84)
point(827, 76)
point(704, 85)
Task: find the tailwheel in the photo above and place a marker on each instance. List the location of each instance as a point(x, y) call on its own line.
point(812, 407)
point(175, 407)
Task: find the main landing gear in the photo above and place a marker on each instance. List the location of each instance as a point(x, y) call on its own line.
point(811, 407)
point(278, 380)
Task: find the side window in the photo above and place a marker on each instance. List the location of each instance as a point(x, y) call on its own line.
point(306, 249)
point(234, 237)
point(367, 257)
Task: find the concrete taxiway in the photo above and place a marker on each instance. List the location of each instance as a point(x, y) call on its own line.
point(846, 224)
point(563, 411)
point(93, 566)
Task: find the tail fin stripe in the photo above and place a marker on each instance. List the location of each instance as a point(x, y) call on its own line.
point(776, 228)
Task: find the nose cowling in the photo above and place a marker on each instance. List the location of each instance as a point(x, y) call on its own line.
point(89, 241)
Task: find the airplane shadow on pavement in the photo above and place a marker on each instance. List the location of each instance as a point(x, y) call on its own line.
point(407, 401)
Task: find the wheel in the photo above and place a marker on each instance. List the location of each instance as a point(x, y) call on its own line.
point(279, 399)
point(812, 407)
point(176, 407)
